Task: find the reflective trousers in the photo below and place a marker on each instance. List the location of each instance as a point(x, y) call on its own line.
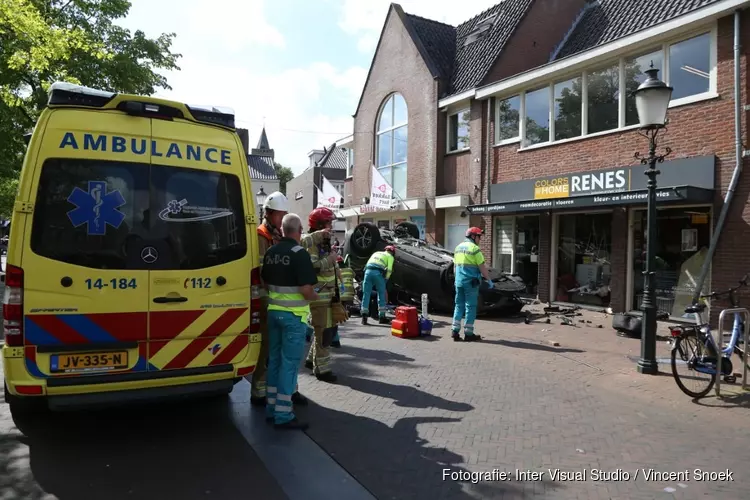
point(286, 345)
point(319, 354)
point(466, 304)
point(373, 278)
point(258, 382)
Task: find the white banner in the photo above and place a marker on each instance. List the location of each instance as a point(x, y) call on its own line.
point(331, 196)
point(321, 198)
point(381, 193)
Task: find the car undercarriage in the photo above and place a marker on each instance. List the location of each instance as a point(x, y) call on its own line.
point(423, 268)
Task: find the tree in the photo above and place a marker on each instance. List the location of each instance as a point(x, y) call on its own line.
point(284, 175)
point(43, 41)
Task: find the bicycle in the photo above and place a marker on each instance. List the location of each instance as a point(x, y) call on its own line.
point(694, 346)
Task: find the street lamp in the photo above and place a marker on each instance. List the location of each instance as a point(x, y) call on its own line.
point(651, 101)
point(260, 199)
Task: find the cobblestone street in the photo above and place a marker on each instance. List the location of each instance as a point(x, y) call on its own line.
point(405, 410)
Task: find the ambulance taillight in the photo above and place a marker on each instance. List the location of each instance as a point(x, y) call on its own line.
point(13, 306)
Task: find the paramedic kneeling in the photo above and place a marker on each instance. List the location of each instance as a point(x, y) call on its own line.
point(377, 271)
point(470, 268)
point(288, 275)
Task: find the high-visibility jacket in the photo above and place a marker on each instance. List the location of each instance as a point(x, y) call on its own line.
point(283, 296)
point(265, 240)
point(326, 272)
point(381, 261)
point(347, 276)
point(467, 257)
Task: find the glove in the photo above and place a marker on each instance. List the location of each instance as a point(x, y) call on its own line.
point(342, 288)
point(490, 284)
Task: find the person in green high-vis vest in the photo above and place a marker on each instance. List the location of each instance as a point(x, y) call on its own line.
point(470, 268)
point(377, 272)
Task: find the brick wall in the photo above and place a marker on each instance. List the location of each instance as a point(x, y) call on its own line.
point(399, 67)
point(698, 129)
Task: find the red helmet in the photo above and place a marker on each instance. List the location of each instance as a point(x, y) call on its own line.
point(391, 249)
point(319, 218)
point(474, 231)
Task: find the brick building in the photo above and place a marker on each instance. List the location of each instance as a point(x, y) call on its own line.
point(566, 205)
point(522, 118)
point(415, 120)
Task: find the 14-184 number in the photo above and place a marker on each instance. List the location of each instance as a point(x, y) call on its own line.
point(115, 283)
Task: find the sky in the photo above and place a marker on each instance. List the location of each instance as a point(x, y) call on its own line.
point(297, 66)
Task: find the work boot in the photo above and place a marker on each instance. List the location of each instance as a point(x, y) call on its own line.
point(336, 344)
point(383, 320)
point(309, 365)
point(299, 399)
point(364, 319)
point(327, 377)
point(472, 338)
point(293, 424)
point(456, 336)
point(258, 400)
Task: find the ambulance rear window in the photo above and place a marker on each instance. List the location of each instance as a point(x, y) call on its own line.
point(86, 212)
point(102, 214)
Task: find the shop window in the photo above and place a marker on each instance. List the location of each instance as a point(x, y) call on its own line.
point(537, 116)
point(504, 245)
point(684, 235)
point(508, 119)
point(458, 131)
point(583, 259)
point(603, 92)
point(526, 256)
point(568, 102)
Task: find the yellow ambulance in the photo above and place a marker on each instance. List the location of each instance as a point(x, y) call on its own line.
point(132, 269)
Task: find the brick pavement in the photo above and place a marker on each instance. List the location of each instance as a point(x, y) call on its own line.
point(404, 410)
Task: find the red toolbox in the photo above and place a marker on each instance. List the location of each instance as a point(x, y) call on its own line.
point(406, 322)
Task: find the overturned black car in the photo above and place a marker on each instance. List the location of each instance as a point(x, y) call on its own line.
point(420, 267)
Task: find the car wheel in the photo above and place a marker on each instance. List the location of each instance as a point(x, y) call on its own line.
point(407, 228)
point(364, 239)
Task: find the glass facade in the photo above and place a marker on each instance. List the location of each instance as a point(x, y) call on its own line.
point(583, 259)
point(684, 235)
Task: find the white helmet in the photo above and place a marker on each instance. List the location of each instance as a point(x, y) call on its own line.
point(276, 201)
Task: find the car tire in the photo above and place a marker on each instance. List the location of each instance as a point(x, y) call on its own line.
point(408, 228)
point(364, 239)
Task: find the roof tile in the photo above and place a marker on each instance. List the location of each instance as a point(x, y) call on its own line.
point(261, 168)
point(604, 21)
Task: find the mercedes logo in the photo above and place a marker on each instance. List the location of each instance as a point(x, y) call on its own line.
point(149, 255)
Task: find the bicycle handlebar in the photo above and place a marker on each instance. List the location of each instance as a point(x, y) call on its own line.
point(743, 282)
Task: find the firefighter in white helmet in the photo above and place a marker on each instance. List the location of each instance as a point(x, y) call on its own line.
point(275, 208)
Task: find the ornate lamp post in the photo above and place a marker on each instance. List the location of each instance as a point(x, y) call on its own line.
point(651, 101)
point(260, 199)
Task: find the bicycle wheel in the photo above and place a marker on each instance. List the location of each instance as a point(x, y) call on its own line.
point(689, 353)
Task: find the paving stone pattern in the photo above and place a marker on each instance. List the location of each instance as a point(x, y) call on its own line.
point(405, 410)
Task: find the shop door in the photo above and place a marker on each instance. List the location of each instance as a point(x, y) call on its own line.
point(504, 244)
point(526, 245)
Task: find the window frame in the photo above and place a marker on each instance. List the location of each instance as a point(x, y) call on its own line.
point(521, 112)
point(450, 132)
point(394, 126)
point(663, 47)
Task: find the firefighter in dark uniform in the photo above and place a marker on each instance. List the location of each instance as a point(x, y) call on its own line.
point(289, 277)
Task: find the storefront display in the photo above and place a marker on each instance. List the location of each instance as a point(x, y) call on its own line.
point(583, 261)
point(683, 235)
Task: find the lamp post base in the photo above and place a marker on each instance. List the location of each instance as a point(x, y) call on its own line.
point(647, 367)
